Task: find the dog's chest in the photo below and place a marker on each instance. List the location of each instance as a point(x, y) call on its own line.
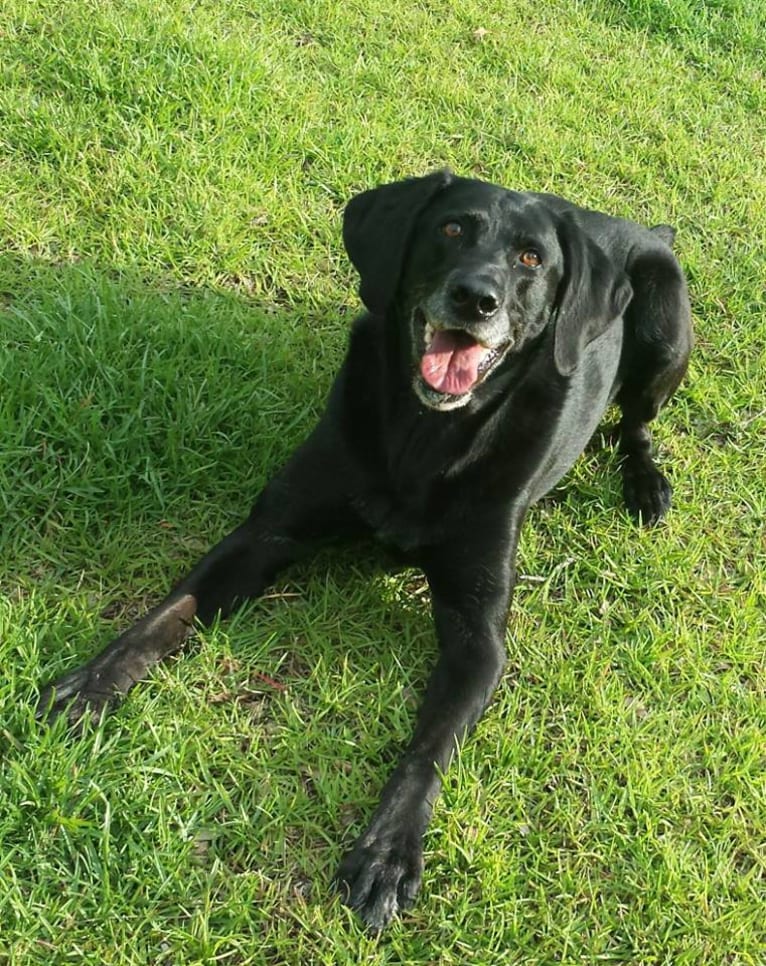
point(409, 501)
point(436, 477)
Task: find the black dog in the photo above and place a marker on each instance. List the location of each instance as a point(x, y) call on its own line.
point(500, 327)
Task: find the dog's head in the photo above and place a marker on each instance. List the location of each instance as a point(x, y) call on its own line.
point(477, 273)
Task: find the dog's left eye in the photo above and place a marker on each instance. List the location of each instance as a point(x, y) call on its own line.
point(531, 258)
point(452, 229)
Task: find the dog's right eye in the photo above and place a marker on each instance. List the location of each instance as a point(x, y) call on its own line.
point(531, 258)
point(452, 229)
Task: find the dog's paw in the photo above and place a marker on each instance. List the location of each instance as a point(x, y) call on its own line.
point(647, 493)
point(85, 693)
point(381, 876)
point(92, 689)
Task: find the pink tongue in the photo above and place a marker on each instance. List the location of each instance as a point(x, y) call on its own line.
point(451, 362)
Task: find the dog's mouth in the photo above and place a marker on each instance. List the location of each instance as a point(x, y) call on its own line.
point(453, 363)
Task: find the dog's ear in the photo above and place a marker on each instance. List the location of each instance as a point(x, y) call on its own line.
point(592, 294)
point(376, 229)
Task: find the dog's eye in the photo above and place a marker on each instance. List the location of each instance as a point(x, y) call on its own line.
point(531, 258)
point(452, 229)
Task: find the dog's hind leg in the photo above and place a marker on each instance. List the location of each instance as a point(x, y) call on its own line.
point(304, 505)
point(658, 340)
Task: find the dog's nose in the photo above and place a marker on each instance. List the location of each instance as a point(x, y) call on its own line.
point(477, 298)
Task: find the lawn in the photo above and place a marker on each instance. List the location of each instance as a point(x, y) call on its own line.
point(174, 299)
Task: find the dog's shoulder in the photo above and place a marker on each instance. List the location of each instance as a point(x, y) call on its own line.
point(359, 384)
point(620, 238)
point(366, 343)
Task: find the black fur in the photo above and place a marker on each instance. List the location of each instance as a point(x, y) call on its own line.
point(565, 310)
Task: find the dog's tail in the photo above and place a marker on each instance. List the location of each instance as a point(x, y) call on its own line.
point(666, 233)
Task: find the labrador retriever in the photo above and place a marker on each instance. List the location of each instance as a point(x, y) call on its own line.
point(500, 325)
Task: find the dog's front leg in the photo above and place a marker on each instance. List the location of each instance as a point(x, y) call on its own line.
point(470, 588)
point(302, 506)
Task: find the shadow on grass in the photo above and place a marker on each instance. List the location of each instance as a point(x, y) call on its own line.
point(128, 404)
point(139, 420)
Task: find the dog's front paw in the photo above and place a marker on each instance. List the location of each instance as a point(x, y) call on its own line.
point(381, 875)
point(90, 690)
point(87, 692)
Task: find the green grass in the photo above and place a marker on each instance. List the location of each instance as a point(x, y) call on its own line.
point(173, 302)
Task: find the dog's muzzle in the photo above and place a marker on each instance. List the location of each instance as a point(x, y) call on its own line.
point(451, 361)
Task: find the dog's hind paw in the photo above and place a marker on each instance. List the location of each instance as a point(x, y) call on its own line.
point(647, 492)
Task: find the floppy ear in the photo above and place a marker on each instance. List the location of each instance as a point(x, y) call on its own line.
point(376, 228)
point(592, 294)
